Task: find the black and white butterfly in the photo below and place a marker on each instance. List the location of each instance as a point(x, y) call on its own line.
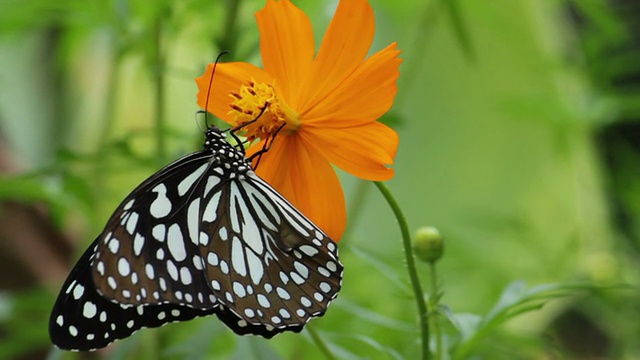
point(204, 235)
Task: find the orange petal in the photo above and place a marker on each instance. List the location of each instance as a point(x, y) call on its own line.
point(287, 46)
point(362, 97)
point(344, 47)
point(362, 151)
point(307, 180)
point(227, 79)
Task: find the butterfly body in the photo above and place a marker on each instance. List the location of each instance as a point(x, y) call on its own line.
point(204, 235)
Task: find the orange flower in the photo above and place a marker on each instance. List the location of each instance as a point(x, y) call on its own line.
point(326, 106)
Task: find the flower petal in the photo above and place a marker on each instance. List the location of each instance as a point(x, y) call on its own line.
point(344, 47)
point(227, 79)
point(363, 96)
point(362, 151)
point(287, 46)
point(307, 180)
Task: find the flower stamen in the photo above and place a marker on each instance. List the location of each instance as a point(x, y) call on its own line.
point(248, 107)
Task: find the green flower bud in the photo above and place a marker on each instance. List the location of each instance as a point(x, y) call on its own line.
point(428, 244)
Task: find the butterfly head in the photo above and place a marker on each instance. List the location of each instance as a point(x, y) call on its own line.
point(223, 152)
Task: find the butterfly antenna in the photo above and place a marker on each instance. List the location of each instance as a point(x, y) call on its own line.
point(206, 104)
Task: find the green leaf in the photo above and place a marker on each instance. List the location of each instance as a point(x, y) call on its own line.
point(384, 269)
point(466, 323)
point(459, 27)
point(372, 317)
point(250, 348)
point(515, 300)
point(391, 353)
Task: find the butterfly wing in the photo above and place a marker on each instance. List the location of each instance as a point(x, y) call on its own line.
point(270, 267)
point(84, 320)
point(105, 299)
point(203, 235)
point(148, 252)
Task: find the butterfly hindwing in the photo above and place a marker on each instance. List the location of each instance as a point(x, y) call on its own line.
point(268, 267)
point(83, 320)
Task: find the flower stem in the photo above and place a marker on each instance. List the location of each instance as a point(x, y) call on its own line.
point(159, 80)
point(411, 266)
point(434, 300)
point(229, 38)
point(322, 346)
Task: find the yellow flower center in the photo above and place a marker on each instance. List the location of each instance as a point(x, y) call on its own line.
point(247, 105)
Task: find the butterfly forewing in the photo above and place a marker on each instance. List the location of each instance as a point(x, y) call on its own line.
point(203, 235)
point(148, 251)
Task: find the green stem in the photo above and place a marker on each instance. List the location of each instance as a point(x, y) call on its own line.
point(158, 76)
point(320, 343)
point(434, 300)
point(411, 266)
point(228, 40)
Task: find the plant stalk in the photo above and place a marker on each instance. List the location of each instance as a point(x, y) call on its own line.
point(411, 267)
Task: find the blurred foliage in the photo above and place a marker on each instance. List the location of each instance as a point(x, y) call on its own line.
point(520, 141)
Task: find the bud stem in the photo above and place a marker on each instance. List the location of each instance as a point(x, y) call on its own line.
point(411, 266)
point(434, 300)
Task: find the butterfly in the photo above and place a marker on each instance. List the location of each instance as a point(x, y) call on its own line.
point(204, 235)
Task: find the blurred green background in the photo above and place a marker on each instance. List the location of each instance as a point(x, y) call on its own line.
point(519, 123)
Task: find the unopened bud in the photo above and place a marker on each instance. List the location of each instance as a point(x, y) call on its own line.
point(428, 244)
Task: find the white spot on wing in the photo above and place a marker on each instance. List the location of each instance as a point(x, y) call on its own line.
point(172, 270)
point(114, 245)
point(212, 259)
point(282, 293)
point(210, 211)
point(263, 301)
point(325, 287)
point(158, 232)
point(78, 291)
point(301, 269)
point(188, 182)
point(175, 242)
point(128, 205)
point(284, 313)
point(296, 278)
point(204, 238)
point(212, 181)
point(256, 269)
point(263, 207)
point(305, 301)
point(161, 206)
point(235, 199)
point(332, 266)
point(223, 233)
point(193, 220)
point(138, 244)
point(123, 267)
point(185, 275)
point(239, 289)
point(132, 222)
point(215, 284)
point(308, 250)
point(237, 257)
point(250, 232)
